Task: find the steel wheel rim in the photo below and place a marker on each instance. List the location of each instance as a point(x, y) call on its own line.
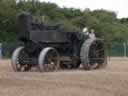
point(51, 61)
point(94, 60)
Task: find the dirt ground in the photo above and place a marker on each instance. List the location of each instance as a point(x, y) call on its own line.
point(111, 81)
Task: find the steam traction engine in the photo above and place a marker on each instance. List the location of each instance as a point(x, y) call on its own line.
point(50, 47)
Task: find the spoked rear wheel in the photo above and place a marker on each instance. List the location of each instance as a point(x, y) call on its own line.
point(48, 60)
point(93, 54)
point(96, 55)
point(18, 54)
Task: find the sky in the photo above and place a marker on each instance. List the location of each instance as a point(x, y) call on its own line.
point(119, 6)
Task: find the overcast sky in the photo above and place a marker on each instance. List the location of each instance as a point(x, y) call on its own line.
point(119, 6)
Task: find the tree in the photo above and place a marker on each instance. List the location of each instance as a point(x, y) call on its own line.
point(104, 22)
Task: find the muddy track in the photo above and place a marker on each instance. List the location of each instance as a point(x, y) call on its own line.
point(111, 81)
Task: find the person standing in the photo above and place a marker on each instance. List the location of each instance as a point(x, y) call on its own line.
point(92, 34)
point(85, 31)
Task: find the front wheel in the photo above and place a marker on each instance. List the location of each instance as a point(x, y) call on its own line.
point(17, 55)
point(48, 60)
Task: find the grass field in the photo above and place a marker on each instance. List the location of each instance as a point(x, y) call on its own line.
point(111, 81)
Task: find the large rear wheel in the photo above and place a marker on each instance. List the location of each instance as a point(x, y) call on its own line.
point(93, 54)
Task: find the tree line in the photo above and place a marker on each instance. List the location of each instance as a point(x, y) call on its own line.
point(104, 22)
